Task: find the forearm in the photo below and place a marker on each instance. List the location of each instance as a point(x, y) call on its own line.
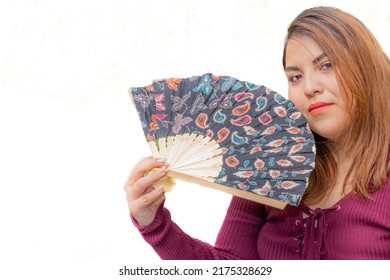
point(171, 242)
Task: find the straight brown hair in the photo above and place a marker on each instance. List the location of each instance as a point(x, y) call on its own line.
point(363, 73)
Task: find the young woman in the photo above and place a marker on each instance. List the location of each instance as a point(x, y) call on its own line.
point(339, 78)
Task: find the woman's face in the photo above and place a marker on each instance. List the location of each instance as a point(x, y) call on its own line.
point(313, 88)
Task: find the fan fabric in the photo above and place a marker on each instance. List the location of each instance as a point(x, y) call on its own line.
point(267, 146)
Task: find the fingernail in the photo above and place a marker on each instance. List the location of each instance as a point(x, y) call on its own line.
point(162, 170)
point(161, 160)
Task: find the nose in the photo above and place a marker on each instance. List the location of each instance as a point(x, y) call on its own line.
point(312, 84)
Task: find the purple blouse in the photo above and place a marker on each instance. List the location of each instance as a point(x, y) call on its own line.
point(354, 228)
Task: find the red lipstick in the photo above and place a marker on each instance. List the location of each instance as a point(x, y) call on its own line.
point(318, 107)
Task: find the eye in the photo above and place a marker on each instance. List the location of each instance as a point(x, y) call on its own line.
point(294, 78)
point(326, 66)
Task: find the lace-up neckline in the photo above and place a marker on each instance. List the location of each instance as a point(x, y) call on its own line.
point(314, 230)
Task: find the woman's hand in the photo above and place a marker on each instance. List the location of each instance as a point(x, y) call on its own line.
point(143, 200)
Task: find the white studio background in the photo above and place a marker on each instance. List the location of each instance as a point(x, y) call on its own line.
point(69, 134)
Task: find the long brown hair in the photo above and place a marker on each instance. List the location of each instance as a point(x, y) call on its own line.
point(363, 73)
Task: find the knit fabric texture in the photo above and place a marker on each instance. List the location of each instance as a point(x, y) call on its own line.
point(354, 228)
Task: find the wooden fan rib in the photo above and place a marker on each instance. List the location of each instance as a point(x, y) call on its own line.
point(239, 193)
point(153, 149)
point(179, 147)
point(162, 147)
point(190, 139)
point(214, 161)
point(201, 173)
point(172, 150)
point(191, 149)
point(196, 159)
point(205, 151)
point(168, 150)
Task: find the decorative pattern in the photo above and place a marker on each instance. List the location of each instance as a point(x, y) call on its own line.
point(267, 146)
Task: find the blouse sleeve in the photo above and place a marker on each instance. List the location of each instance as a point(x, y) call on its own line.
point(241, 227)
point(237, 238)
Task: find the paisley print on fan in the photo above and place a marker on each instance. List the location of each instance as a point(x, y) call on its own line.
point(268, 148)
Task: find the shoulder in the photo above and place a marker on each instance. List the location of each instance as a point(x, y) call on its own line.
point(288, 211)
point(384, 191)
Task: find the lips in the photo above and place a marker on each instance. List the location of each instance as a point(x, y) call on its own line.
point(319, 107)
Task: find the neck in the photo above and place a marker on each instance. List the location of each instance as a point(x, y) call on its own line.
point(340, 153)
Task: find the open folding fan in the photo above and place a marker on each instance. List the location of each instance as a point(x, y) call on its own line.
point(234, 136)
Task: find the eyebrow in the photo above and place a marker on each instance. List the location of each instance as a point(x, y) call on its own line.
point(316, 60)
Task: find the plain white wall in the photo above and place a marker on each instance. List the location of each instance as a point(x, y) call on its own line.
point(69, 134)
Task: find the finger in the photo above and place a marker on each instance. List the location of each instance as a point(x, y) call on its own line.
point(160, 199)
point(131, 199)
point(156, 196)
point(142, 184)
point(150, 189)
point(142, 166)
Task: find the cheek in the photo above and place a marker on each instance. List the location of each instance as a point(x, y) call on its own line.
point(297, 99)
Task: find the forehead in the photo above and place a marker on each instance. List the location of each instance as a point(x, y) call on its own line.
point(302, 48)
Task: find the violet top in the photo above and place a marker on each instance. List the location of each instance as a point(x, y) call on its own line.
point(354, 228)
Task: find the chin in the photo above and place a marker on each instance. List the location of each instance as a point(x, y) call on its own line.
point(331, 134)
